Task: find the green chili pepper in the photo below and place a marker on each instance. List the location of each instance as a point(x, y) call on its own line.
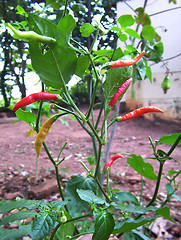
point(31, 36)
point(166, 84)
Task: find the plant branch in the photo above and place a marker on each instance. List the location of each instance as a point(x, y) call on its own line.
point(167, 10)
point(56, 170)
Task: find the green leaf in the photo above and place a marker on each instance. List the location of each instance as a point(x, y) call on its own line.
point(90, 197)
point(117, 54)
point(64, 30)
point(82, 65)
point(173, 1)
point(16, 217)
point(142, 18)
point(172, 172)
point(25, 116)
point(114, 79)
point(12, 234)
point(170, 139)
point(56, 64)
point(176, 197)
point(148, 72)
point(169, 188)
point(165, 212)
point(135, 235)
point(86, 29)
point(116, 28)
point(66, 229)
point(104, 225)
point(126, 20)
point(123, 37)
point(76, 206)
point(156, 52)
point(148, 32)
point(6, 206)
point(130, 224)
point(21, 11)
point(133, 208)
point(124, 196)
point(43, 224)
point(140, 69)
point(145, 169)
point(132, 33)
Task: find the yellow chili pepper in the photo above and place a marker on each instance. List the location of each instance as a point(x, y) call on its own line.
point(42, 134)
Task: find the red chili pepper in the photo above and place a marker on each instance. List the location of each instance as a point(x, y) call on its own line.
point(121, 63)
point(112, 159)
point(138, 112)
point(119, 92)
point(34, 97)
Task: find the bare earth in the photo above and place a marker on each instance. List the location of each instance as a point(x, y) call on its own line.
point(18, 156)
point(17, 148)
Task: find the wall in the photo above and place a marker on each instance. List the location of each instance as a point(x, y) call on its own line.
point(152, 94)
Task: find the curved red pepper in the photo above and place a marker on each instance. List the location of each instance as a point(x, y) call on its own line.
point(119, 92)
point(121, 63)
point(138, 112)
point(34, 97)
point(112, 159)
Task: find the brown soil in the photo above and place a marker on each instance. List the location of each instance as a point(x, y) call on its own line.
point(18, 157)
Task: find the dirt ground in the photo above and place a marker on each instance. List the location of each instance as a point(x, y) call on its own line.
point(18, 157)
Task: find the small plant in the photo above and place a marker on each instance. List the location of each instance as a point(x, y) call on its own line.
point(86, 206)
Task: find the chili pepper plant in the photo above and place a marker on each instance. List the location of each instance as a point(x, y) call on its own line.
point(56, 56)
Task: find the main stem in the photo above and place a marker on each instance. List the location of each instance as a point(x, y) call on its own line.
point(157, 184)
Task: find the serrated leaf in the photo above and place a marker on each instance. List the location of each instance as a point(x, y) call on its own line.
point(132, 33)
point(12, 234)
point(42, 225)
point(16, 217)
point(126, 20)
point(148, 32)
point(130, 224)
point(124, 196)
point(145, 169)
point(25, 116)
point(104, 225)
point(57, 64)
point(86, 29)
point(90, 197)
point(170, 139)
point(76, 206)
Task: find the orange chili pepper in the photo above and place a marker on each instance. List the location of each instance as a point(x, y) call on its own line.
point(122, 63)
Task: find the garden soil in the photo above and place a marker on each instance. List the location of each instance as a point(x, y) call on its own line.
point(18, 157)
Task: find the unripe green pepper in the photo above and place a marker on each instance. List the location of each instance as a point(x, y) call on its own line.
point(31, 36)
point(166, 84)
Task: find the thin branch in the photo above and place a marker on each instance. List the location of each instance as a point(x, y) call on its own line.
point(167, 10)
